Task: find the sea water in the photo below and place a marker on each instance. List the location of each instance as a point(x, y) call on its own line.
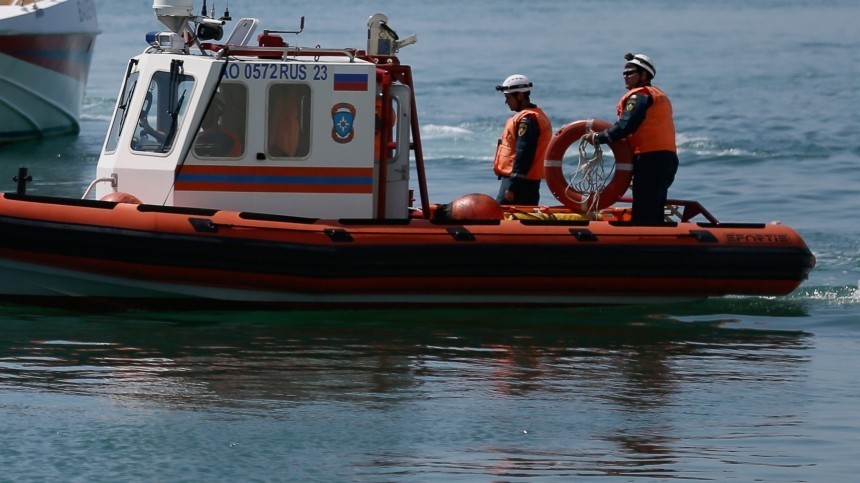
point(730, 389)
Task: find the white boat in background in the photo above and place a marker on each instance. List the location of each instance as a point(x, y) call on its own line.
point(46, 47)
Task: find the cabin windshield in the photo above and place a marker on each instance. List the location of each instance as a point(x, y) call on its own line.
point(121, 112)
point(162, 112)
point(223, 131)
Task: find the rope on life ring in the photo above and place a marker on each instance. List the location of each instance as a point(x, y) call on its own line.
point(562, 186)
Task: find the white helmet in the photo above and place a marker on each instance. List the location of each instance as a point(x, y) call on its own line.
point(515, 83)
point(642, 61)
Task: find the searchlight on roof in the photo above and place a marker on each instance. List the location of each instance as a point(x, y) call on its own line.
point(174, 14)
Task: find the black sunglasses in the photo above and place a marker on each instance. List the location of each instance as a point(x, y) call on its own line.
point(628, 73)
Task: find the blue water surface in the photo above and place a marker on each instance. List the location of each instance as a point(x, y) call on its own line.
point(740, 388)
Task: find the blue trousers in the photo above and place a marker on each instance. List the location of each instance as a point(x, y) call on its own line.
point(526, 191)
point(653, 173)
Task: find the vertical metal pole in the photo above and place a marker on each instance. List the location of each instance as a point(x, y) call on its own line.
point(22, 179)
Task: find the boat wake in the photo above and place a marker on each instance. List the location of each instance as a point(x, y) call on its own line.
point(831, 295)
point(701, 149)
point(433, 132)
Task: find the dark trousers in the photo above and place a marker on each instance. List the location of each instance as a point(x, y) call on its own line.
point(526, 191)
point(653, 173)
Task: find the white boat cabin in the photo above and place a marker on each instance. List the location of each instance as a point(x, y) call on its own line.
point(269, 127)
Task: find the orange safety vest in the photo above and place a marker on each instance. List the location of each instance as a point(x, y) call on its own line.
point(506, 151)
point(210, 135)
point(237, 148)
point(657, 131)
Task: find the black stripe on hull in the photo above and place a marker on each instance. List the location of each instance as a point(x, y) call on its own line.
point(463, 259)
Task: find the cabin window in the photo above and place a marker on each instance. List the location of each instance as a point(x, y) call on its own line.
point(288, 121)
point(121, 112)
point(163, 110)
point(222, 133)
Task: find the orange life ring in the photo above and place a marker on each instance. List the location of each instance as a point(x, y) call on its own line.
point(559, 183)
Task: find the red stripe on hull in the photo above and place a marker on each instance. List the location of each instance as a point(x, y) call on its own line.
point(252, 179)
point(274, 170)
point(271, 188)
point(68, 54)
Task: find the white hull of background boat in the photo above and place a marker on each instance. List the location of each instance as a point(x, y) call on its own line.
point(46, 49)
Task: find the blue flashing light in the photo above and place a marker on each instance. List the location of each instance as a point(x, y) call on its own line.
point(152, 38)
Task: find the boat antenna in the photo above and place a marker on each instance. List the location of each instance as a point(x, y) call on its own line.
point(211, 14)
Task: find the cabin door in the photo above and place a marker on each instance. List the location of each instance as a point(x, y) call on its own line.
point(397, 177)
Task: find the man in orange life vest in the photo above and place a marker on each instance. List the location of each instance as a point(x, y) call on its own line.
point(645, 119)
point(522, 147)
point(215, 140)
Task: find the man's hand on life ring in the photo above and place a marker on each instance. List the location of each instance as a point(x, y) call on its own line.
point(591, 138)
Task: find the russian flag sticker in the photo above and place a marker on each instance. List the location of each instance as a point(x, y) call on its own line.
point(350, 82)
